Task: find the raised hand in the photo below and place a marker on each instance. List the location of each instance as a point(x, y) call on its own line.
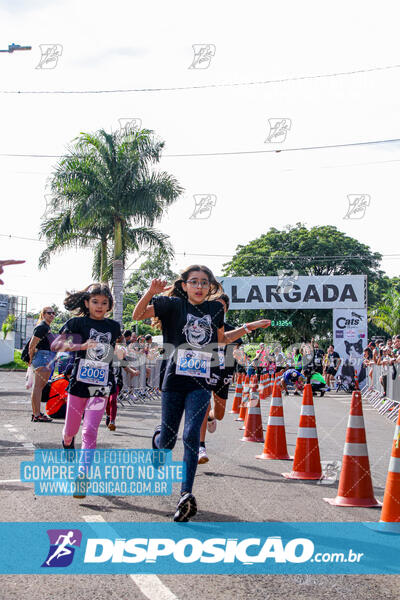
point(158, 286)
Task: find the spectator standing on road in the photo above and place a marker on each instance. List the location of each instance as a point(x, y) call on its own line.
point(41, 358)
point(318, 355)
point(332, 365)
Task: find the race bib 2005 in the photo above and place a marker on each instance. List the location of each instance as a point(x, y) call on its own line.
point(92, 372)
point(193, 363)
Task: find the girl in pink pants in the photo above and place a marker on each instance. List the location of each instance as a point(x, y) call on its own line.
point(92, 337)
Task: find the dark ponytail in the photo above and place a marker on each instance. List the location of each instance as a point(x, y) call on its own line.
point(75, 301)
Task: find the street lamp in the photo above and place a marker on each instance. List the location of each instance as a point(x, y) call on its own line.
point(13, 47)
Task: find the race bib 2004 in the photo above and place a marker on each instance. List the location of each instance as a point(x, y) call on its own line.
point(193, 363)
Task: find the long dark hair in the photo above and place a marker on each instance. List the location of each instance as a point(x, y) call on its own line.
point(75, 301)
point(176, 288)
point(177, 291)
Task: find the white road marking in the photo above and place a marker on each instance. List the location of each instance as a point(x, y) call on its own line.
point(10, 481)
point(150, 585)
point(29, 446)
point(20, 437)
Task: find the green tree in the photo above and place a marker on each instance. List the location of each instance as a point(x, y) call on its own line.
point(105, 195)
point(322, 250)
point(386, 314)
point(8, 325)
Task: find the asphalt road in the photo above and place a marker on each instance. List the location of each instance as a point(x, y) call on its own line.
point(233, 486)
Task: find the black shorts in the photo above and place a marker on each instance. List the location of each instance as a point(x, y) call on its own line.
point(222, 388)
point(331, 371)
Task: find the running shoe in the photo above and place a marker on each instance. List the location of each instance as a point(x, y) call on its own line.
point(107, 420)
point(71, 446)
point(41, 418)
point(155, 434)
point(111, 426)
point(211, 425)
point(81, 486)
point(203, 458)
point(187, 508)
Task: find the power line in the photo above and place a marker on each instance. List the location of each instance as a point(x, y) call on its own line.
point(206, 86)
point(238, 152)
point(316, 256)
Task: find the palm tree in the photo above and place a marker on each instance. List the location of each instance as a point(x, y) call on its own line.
point(386, 314)
point(104, 193)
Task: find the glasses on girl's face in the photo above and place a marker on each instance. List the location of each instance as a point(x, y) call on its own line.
point(50, 312)
point(195, 283)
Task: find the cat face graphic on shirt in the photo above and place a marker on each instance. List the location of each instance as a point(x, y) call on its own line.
point(103, 345)
point(198, 330)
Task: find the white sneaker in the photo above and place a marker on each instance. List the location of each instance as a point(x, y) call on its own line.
point(211, 425)
point(203, 458)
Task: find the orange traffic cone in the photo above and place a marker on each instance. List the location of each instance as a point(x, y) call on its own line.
point(262, 387)
point(391, 500)
point(252, 389)
point(275, 439)
point(238, 395)
point(253, 429)
point(245, 395)
point(307, 462)
point(355, 484)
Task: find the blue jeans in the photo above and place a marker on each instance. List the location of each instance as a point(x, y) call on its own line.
point(195, 404)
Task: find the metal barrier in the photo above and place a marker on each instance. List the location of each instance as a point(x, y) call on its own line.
point(386, 402)
point(143, 387)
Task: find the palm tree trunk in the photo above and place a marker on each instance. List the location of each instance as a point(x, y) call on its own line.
point(103, 262)
point(118, 272)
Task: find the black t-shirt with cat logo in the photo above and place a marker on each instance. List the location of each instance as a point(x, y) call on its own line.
point(189, 329)
point(105, 332)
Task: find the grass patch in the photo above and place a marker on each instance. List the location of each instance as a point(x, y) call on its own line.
point(17, 363)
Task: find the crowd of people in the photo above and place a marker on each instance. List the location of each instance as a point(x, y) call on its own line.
point(386, 354)
point(297, 365)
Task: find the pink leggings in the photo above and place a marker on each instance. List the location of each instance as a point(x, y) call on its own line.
point(94, 410)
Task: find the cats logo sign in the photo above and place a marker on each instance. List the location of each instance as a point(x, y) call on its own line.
point(350, 337)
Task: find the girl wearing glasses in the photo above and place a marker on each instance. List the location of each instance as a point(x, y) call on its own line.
point(41, 358)
point(192, 327)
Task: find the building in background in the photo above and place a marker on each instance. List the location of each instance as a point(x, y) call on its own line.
point(17, 306)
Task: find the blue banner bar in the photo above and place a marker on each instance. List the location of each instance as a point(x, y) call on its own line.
point(199, 548)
